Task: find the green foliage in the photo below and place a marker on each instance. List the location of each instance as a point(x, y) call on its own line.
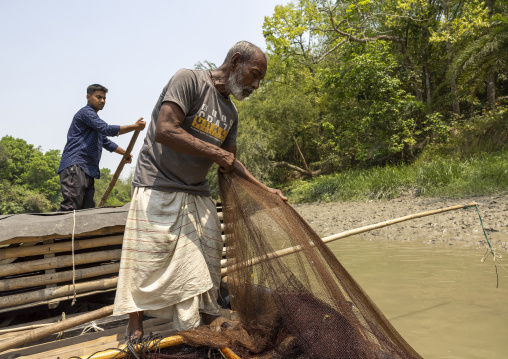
point(487, 53)
point(460, 20)
point(205, 65)
point(373, 119)
point(356, 84)
point(446, 177)
point(480, 134)
point(17, 199)
point(119, 195)
point(30, 182)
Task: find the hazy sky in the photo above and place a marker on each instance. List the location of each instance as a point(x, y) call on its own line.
point(52, 50)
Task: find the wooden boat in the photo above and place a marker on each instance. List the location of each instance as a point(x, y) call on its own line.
point(47, 261)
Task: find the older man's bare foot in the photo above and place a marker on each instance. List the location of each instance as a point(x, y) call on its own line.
point(133, 335)
point(135, 327)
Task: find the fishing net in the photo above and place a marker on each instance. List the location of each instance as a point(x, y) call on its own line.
point(293, 297)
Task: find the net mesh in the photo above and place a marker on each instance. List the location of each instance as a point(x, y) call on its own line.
point(293, 297)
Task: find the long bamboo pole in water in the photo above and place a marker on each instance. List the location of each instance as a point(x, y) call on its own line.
point(290, 250)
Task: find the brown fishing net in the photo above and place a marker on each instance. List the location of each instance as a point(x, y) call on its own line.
point(303, 304)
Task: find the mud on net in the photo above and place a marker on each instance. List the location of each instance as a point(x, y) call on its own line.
point(303, 304)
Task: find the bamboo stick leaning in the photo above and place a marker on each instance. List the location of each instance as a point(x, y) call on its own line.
point(290, 250)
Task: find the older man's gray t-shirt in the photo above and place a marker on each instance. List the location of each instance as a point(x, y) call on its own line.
point(208, 116)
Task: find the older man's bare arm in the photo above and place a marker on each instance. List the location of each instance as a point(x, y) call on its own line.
point(170, 134)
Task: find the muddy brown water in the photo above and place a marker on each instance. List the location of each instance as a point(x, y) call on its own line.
point(441, 298)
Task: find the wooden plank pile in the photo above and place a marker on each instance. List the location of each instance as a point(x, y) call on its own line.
point(38, 268)
point(50, 258)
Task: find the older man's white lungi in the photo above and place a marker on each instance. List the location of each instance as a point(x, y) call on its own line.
point(171, 254)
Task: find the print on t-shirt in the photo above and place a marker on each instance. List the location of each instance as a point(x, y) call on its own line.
point(210, 124)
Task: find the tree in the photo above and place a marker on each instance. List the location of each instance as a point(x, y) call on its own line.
point(28, 177)
point(478, 63)
point(119, 195)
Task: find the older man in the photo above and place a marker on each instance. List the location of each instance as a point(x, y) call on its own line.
point(172, 245)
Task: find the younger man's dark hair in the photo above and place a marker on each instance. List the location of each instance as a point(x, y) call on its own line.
point(95, 87)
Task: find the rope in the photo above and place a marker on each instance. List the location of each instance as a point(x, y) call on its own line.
point(73, 262)
point(91, 326)
point(495, 256)
point(60, 334)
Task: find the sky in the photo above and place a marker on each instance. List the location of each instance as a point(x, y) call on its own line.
point(52, 50)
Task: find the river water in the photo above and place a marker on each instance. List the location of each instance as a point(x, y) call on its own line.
point(440, 298)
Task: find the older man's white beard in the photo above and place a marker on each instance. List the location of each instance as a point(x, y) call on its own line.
point(234, 86)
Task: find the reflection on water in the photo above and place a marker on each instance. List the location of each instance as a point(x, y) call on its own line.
point(440, 298)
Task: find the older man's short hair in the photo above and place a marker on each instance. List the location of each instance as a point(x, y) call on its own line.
point(246, 49)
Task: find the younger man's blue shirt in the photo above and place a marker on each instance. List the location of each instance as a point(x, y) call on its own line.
point(85, 140)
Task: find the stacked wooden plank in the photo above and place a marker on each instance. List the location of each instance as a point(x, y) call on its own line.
point(48, 258)
point(52, 257)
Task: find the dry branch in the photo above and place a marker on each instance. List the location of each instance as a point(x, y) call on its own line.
point(298, 169)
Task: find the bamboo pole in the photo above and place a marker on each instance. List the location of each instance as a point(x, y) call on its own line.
point(60, 247)
point(56, 328)
point(55, 292)
point(22, 329)
point(44, 302)
point(119, 169)
point(54, 304)
point(10, 260)
point(290, 250)
point(53, 278)
point(59, 262)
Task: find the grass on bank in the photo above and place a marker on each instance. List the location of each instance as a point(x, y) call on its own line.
point(483, 175)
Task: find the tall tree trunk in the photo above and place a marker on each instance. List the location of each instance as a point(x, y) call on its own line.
point(427, 84)
point(491, 89)
point(491, 77)
point(453, 82)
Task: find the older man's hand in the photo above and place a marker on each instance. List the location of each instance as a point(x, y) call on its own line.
point(226, 162)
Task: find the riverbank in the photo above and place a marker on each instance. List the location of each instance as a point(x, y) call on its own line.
point(459, 227)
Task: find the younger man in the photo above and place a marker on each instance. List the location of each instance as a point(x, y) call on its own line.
point(87, 136)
